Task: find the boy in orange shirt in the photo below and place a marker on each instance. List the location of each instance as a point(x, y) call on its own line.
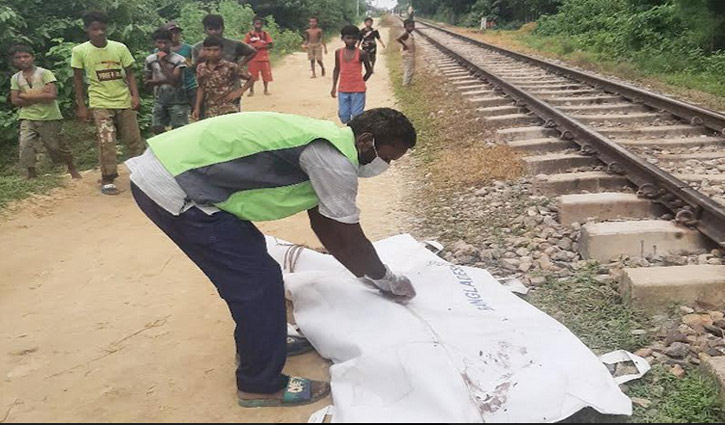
point(349, 63)
point(262, 41)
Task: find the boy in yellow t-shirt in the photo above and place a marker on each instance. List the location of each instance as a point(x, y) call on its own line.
point(112, 95)
point(33, 91)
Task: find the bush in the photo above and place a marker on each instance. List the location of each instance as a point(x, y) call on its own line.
point(659, 38)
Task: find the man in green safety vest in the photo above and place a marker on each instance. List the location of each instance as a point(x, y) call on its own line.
point(205, 183)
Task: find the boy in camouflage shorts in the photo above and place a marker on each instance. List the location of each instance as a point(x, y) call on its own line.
point(33, 90)
point(112, 92)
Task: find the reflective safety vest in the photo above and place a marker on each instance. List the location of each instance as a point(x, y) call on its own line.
point(248, 163)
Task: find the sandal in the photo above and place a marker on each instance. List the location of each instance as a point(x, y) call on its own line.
point(299, 392)
point(109, 189)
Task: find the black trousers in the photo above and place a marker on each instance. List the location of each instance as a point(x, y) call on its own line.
point(233, 255)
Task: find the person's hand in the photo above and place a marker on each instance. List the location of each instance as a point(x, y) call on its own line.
point(333, 93)
point(244, 75)
point(195, 115)
point(304, 47)
point(232, 96)
point(163, 56)
point(82, 114)
point(135, 103)
point(395, 286)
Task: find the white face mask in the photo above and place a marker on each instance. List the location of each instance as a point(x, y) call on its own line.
point(376, 167)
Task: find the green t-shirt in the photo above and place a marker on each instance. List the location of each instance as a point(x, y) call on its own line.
point(105, 71)
point(45, 111)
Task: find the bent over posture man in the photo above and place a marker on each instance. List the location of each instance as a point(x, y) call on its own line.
point(205, 183)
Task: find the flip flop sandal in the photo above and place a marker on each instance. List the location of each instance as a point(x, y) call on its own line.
point(298, 393)
point(109, 189)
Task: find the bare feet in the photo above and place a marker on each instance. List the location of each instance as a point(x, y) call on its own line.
point(266, 93)
point(73, 171)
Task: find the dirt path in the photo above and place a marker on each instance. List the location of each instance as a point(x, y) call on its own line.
point(103, 319)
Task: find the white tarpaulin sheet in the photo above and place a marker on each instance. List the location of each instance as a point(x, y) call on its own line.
point(464, 350)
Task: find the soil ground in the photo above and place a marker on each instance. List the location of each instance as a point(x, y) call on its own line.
point(104, 319)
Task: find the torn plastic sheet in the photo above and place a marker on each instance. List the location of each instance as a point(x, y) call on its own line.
point(622, 356)
point(320, 416)
point(464, 350)
point(514, 285)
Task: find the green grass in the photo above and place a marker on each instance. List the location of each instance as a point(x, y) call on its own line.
point(644, 65)
point(13, 188)
point(13, 184)
point(593, 311)
point(692, 399)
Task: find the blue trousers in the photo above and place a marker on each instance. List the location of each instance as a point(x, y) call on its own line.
point(350, 105)
point(233, 255)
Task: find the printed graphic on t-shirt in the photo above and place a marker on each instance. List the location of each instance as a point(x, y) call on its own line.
point(108, 74)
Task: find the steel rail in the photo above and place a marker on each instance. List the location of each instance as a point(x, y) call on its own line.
point(691, 207)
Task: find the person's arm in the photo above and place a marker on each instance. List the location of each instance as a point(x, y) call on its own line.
point(196, 57)
point(247, 53)
point(81, 109)
point(127, 62)
point(322, 40)
point(238, 93)
point(171, 75)
point(365, 58)
point(269, 40)
point(348, 244)
point(402, 39)
point(306, 39)
point(335, 74)
point(380, 39)
point(133, 88)
point(48, 94)
point(16, 100)
point(199, 101)
point(148, 73)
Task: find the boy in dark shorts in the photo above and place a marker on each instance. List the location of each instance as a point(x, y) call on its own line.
point(163, 71)
point(368, 37)
point(184, 49)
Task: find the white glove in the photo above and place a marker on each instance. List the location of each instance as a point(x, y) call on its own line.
point(392, 284)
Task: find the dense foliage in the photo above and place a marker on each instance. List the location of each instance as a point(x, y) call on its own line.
point(681, 40)
point(54, 27)
point(661, 36)
point(470, 12)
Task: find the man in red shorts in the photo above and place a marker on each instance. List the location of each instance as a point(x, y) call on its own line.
point(262, 41)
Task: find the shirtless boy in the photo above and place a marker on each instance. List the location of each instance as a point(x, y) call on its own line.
point(314, 44)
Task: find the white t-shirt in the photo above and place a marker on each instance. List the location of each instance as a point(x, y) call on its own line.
point(331, 174)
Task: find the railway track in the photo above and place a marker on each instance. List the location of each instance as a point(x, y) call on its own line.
point(585, 133)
